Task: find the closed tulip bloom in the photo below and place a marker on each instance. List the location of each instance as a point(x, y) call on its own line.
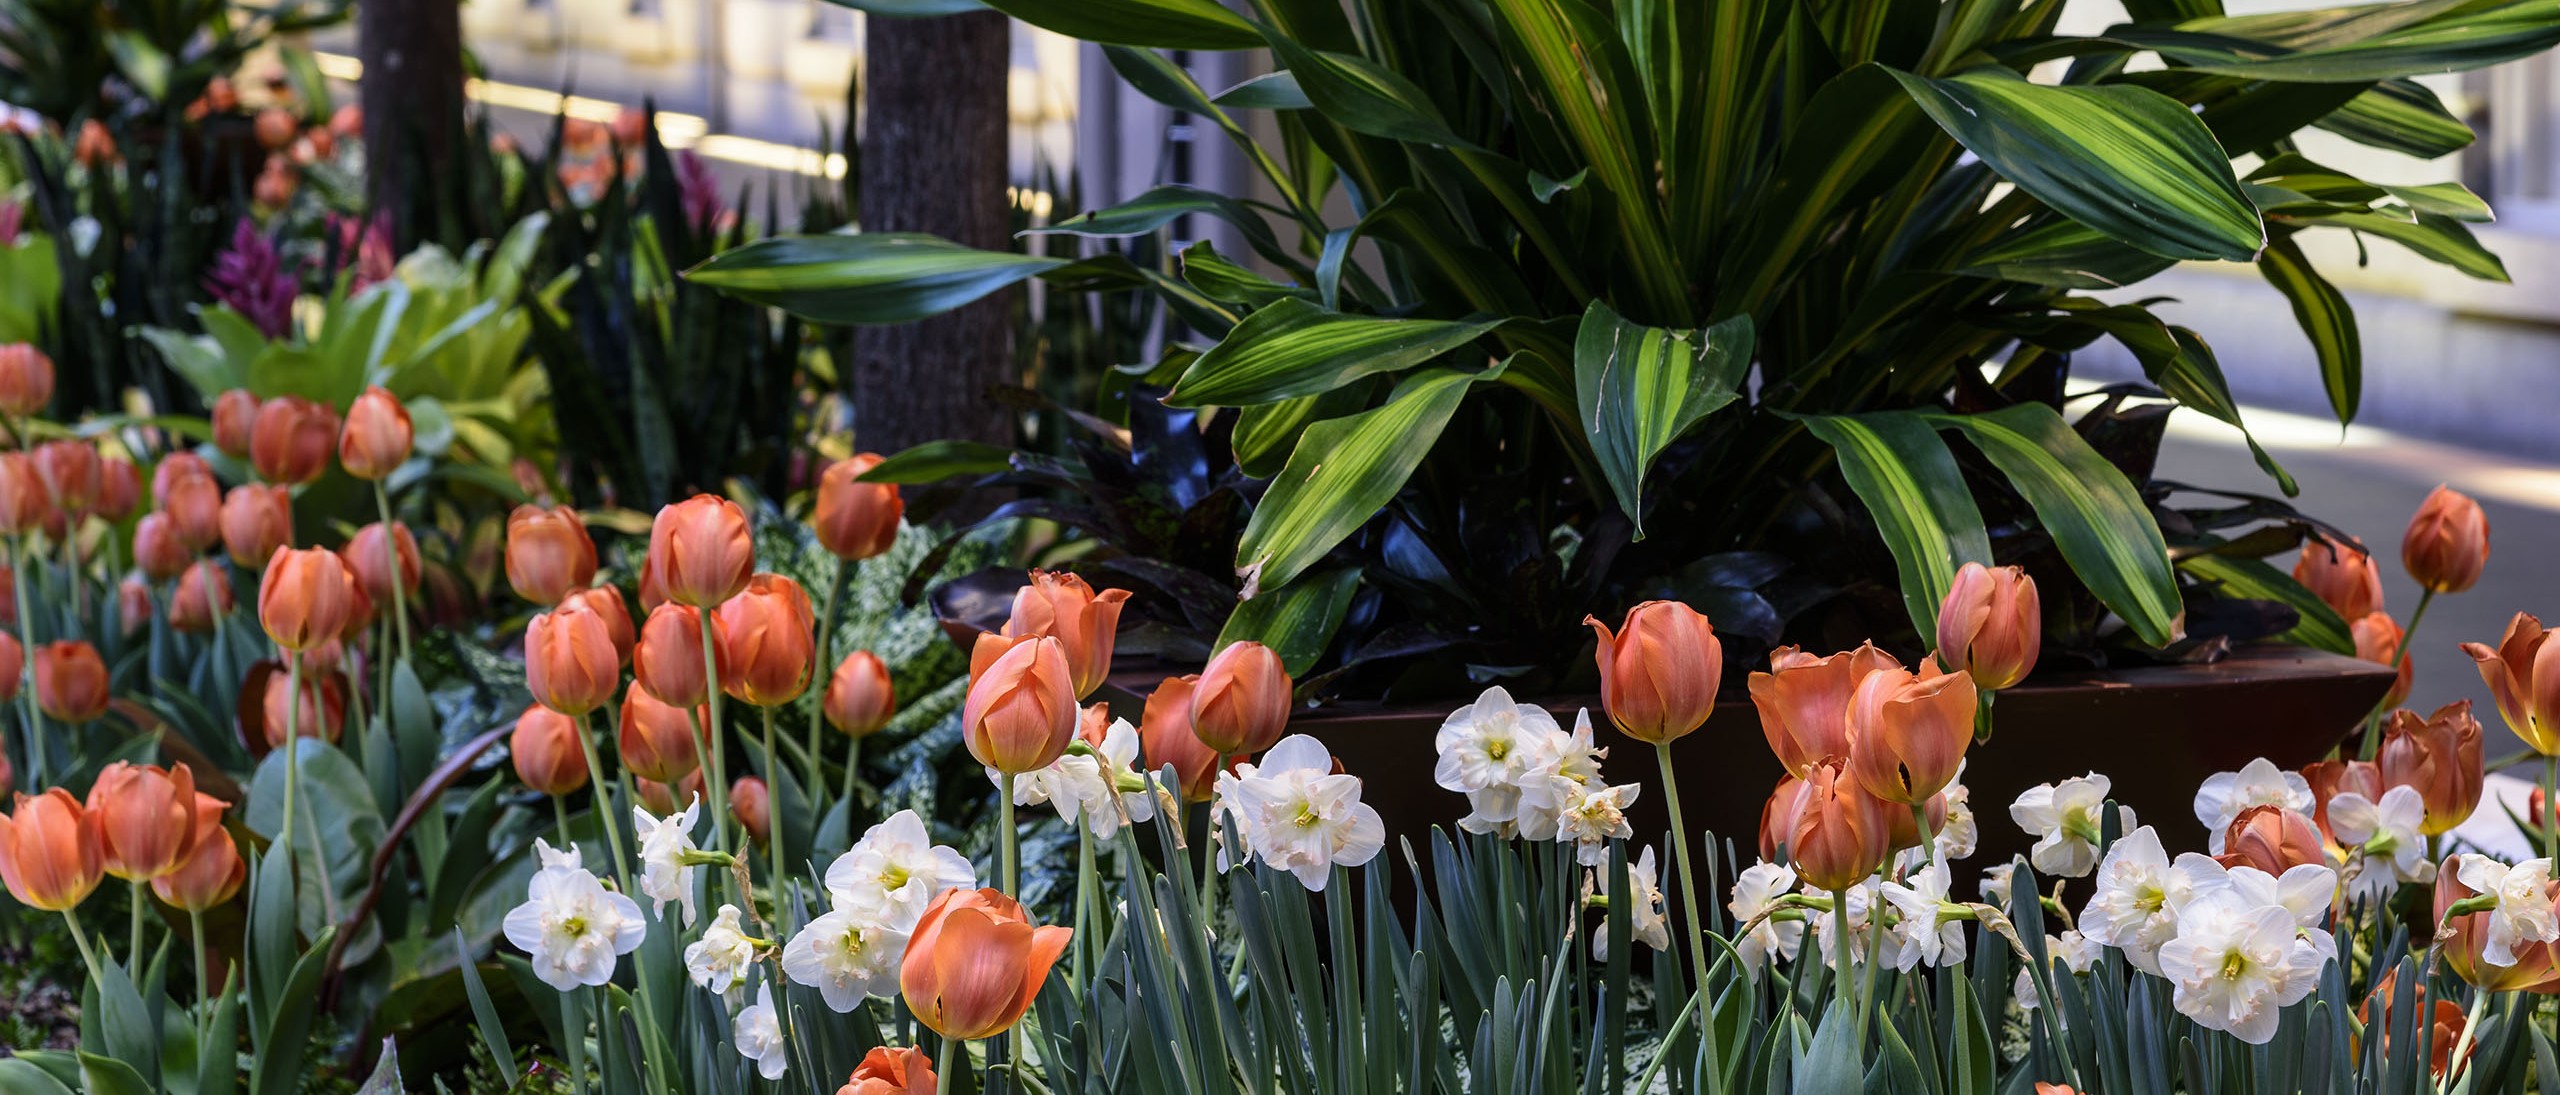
point(2465, 944)
point(146, 819)
point(1240, 705)
point(657, 741)
point(71, 681)
point(1804, 702)
point(377, 436)
point(210, 876)
point(887, 1070)
point(859, 699)
point(1659, 671)
point(766, 641)
point(2331, 778)
point(305, 598)
point(549, 553)
point(2439, 755)
point(318, 711)
point(1021, 712)
point(174, 467)
point(203, 596)
point(975, 963)
point(668, 658)
point(2523, 674)
point(235, 419)
point(606, 602)
point(1085, 622)
point(2447, 543)
point(546, 751)
point(24, 505)
point(133, 602)
point(569, 662)
point(752, 806)
point(2378, 639)
point(1841, 833)
point(1778, 816)
point(194, 505)
point(49, 851)
point(1910, 731)
point(157, 549)
point(2273, 839)
point(854, 519)
point(2342, 575)
point(701, 551)
point(72, 477)
point(119, 488)
point(1903, 831)
point(26, 380)
point(1165, 737)
point(369, 555)
point(1990, 625)
point(291, 440)
point(256, 520)
point(13, 668)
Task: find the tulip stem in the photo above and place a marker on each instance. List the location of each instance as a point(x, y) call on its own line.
point(195, 928)
point(772, 824)
point(821, 674)
point(711, 733)
point(604, 808)
point(560, 814)
point(2399, 661)
point(852, 766)
point(950, 1047)
point(23, 608)
point(1007, 852)
point(133, 953)
point(1689, 904)
point(292, 740)
point(71, 572)
point(1084, 903)
point(391, 566)
point(88, 956)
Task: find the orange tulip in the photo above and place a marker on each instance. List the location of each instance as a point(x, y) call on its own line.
point(305, 598)
point(2331, 778)
point(752, 806)
point(24, 506)
point(72, 478)
point(8, 596)
point(569, 661)
point(2523, 673)
point(1804, 702)
point(658, 797)
point(1021, 713)
point(606, 601)
point(1909, 732)
point(1085, 622)
point(277, 128)
point(26, 380)
point(289, 443)
point(1903, 831)
point(194, 505)
point(2537, 965)
point(369, 554)
point(49, 851)
point(203, 596)
point(1165, 737)
point(859, 699)
point(546, 751)
point(549, 553)
point(892, 1071)
point(235, 417)
point(1990, 625)
point(668, 658)
point(133, 602)
point(2444, 1018)
point(2447, 543)
point(1240, 705)
point(174, 467)
point(256, 520)
point(1841, 834)
point(157, 549)
point(2378, 641)
point(211, 874)
point(2341, 574)
point(319, 712)
point(71, 681)
point(1778, 815)
point(377, 436)
point(2440, 756)
point(765, 639)
point(13, 668)
point(854, 519)
point(701, 552)
point(1659, 671)
point(146, 819)
point(975, 963)
point(657, 741)
point(119, 488)
point(95, 148)
point(2272, 839)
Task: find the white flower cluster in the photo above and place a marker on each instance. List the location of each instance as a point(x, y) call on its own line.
point(2064, 818)
point(1919, 929)
point(572, 927)
point(2237, 944)
point(2384, 845)
point(1296, 814)
point(2522, 914)
point(1085, 783)
point(2225, 795)
point(1523, 775)
point(875, 892)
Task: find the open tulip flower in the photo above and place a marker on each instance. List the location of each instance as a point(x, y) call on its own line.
point(1910, 731)
point(1804, 702)
point(975, 963)
point(211, 874)
point(1084, 622)
point(2523, 673)
point(2439, 754)
point(2343, 575)
point(888, 1070)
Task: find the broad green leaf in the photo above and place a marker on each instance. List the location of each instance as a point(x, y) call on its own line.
point(1835, 1063)
point(911, 9)
point(1221, 279)
point(18, 1077)
point(1903, 471)
point(2127, 161)
point(1162, 206)
point(1342, 472)
point(2357, 43)
point(2096, 518)
point(1639, 388)
point(1295, 348)
point(491, 1027)
point(1266, 432)
point(2064, 255)
point(865, 278)
point(1364, 96)
point(935, 461)
point(2182, 365)
point(2401, 116)
point(1151, 24)
point(1297, 621)
point(1269, 91)
point(108, 1076)
point(2440, 239)
point(277, 1067)
point(2241, 578)
point(2326, 318)
point(2451, 200)
point(1855, 138)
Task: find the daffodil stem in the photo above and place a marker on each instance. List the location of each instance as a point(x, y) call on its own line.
point(2373, 719)
point(711, 733)
point(391, 566)
point(821, 671)
point(1084, 904)
point(772, 824)
point(1697, 922)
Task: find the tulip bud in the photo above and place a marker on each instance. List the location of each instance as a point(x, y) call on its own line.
point(890, 1070)
point(306, 598)
point(194, 506)
point(2331, 778)
point(658, 742)
point(1903, 831)
point(50, 854)
point(1659, 672)
point(1804, 702)
point(1240, 705)
point(146, 819)
point(569, 661)
point(71, 681)
point(1990, 625)
point(1021, 713)
point(157, 549)
point(256, 520)
point(1166, 737)
point(752, 806)
point(2523, 674)
point(2377, 640)
point(2440, 756)
point(765, 640)
point(2342, 575)
point(377, 436)
point(235, 417)
point(369, 556)
point(700, 551)
point(1778, 816)
point(546, 751)
point(1909, 733)
point(71, 475)
point(2447, 543)
point(289, 442)
point(203, 596)
point(133, 603)
point(277, 128)
point(657, 797)
point(854, 519)
point(270, 706)
point(119, 488)
point(174, 467)
point(26, 380)
point(975, 963)
point(24, 506)
point(1086, 623)
point(859, 699)
point(1842, 833)
point(668, 658)
point(2272, 839)
point(212, 873)
point(549, 553)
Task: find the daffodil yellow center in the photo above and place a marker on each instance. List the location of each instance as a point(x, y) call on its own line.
point(2233, 965)
point(575, 925)
point(1307, 818)
point(893, 878)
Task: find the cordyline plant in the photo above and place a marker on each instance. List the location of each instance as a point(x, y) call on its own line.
point(1658, 283)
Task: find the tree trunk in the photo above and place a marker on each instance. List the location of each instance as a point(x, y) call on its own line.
point(933, 160)
point(412, 95)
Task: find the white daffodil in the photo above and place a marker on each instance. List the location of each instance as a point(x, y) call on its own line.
point(1997, 881)
point(2523, 912)
point(572, 926)
point(1596, 816)
point(2257, 783)
point(1646, 921)
point(1487, 749)
point(1301, 818)
point(664, 845)
point(848, 955)
point(724, 954)
point(758, 1035)
point(1860, 901)
point(2235, 965)
point(2065, 818)
point(2384, 845)
point(1082, 783)
point(1919, 937)
point(1956, 839)
point(1566, 767)
point(1754, 891)
point(2135, 908)
point(2075, 951)
point(894, 871)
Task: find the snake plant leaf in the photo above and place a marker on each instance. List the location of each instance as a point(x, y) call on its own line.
point(1296, 348)
point(2326, 318)
point(1639, 388)
point(2245, 579)
point(1342, 472)
point(2127, 161)
point(1152, 24)
point(1899, 467)
point(2094, 516)
point(1298, 620)
point(866, 277)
